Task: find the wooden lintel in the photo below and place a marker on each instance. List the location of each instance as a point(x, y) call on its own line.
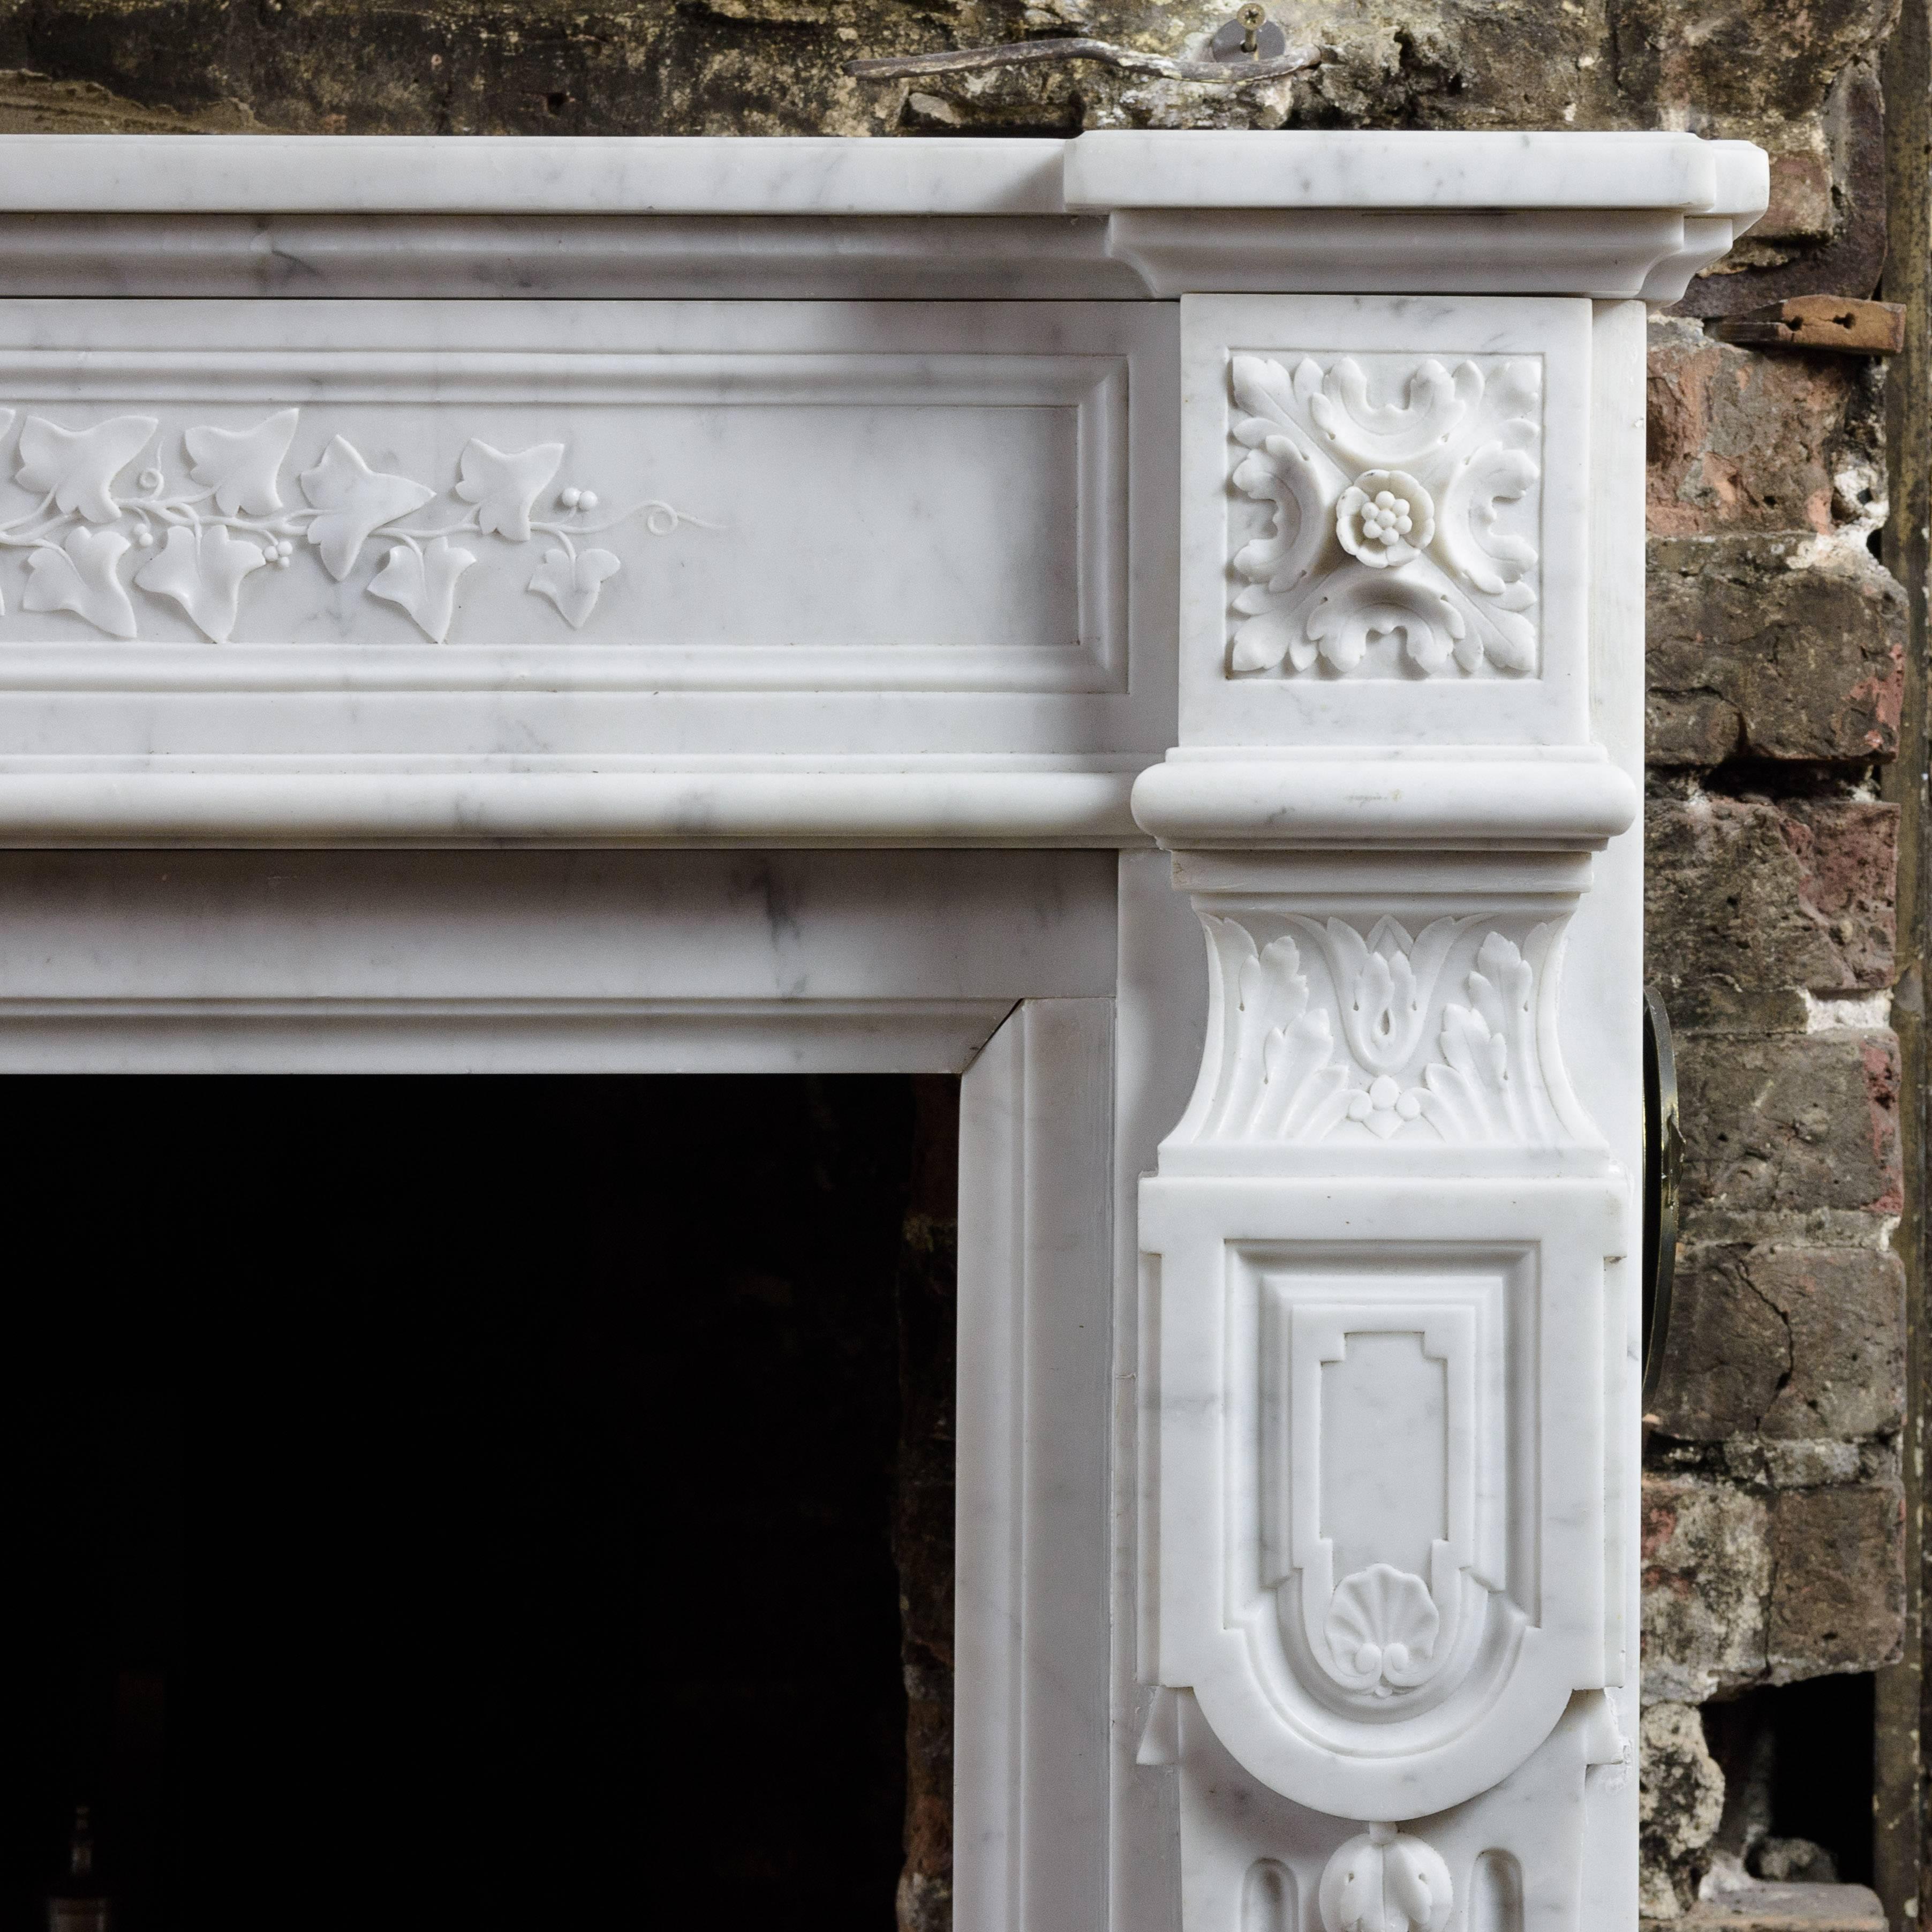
point(1852, 328)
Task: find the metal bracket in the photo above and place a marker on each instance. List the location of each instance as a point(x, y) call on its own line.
point(1663, 1166)
point(1249, 36)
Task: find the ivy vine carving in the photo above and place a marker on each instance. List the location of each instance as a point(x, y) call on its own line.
point(196, 538)
point(1385, 516)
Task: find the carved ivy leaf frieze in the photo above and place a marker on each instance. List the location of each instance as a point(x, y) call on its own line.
point(201, 571)
point(77, 468)
point(351, 501)
point(505, 488)
point(422, 579)
point(197, 540)
point(1387, 518)
point(571, 583)
point(241, 467)
point(79, 575)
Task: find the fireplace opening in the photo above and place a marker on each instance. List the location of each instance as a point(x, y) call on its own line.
point(473, 1502)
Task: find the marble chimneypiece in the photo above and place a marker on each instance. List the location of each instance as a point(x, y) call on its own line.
point(861, 580)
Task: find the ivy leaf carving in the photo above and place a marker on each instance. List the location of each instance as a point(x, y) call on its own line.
point(241, 465)
point(354, 500)
point(504, 487)
point(79, 576)
point(78, 466)
point(201, 571)
point(424, 584)
point(572, 584)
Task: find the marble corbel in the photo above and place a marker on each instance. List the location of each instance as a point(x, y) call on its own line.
point(1388, 1350)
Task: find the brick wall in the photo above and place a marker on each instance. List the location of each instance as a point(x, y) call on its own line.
point(1773, 1508)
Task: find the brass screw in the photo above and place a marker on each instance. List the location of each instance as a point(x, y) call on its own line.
point(1252, 18)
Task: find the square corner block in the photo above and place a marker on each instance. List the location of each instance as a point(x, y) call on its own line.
point(1384, 522)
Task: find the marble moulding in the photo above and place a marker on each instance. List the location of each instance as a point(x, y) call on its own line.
point(1260, 512)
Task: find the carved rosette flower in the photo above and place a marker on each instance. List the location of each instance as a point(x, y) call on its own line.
point(1385, 518)
point(1381, 1628)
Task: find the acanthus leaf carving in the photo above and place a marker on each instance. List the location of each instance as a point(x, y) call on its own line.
point(1354, 608)
point(207, 540)
point(1479, 1090)
point(1374, 1041)
point(1384, 515)
point(1385, 1880)
point(1287, 1084)
point(1386, 981)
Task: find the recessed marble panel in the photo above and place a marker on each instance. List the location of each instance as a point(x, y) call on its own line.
point(928, 504)
point(654, 502)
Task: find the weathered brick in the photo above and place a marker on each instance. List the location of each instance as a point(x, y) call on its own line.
point(1707, 1572)
point(1799, 1344)
point(1837, 1592)
point(1847, 851)
point(1742, 441)
point(1680, 1804)
point(1790, 1122)
point(1748, 657)
point(1742, 895)
point(1741, 56)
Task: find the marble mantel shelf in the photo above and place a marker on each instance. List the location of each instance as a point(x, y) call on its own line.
point(729, 174)
point(1109, 216)
point(884, 278)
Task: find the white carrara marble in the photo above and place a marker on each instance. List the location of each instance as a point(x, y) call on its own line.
point(1261, 512)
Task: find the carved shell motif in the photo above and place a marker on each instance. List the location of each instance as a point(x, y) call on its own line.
point(1381, 1628)
point(1385, 1881)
